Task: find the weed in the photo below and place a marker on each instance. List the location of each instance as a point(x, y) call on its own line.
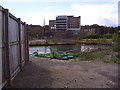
point(86, 56)
point(118, 56)
point(111, 61)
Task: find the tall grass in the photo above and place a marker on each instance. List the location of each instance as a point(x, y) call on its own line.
point(103, 55)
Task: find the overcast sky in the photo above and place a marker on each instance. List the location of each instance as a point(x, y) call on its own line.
point(102, 12)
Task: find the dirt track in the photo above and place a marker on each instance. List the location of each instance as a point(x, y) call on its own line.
point(44, 73)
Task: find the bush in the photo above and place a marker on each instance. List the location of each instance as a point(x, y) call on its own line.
point(87, 56)
point(111, 61)
point(118, 56)
point(108, 36)
point(116, 37)
point(92, 36)
point(116, 47)
point(101, 40)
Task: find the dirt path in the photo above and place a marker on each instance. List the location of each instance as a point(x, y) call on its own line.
point(44, 73)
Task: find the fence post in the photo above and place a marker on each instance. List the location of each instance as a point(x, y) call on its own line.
point(19, 31)
point(27, 42)
point(1, 48)
point(7, 47)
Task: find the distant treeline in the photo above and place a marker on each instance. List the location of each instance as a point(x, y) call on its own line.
point(39, 32)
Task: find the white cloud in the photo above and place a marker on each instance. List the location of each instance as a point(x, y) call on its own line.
point(47, 8)
point(103, 14)
point(58, 0)
point(37, 18)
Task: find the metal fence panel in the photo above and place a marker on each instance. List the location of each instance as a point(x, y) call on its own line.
point(13, 45)
point(23, 52)
point(22, 32)
point(13, 30)
point(0, 68)
point(14, 63)
point(4, 77)
point(2, 56)
point(22, 43)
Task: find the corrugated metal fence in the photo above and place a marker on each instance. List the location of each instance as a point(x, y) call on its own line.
point(13, 46)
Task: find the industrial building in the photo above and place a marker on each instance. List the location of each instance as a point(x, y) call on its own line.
point(66, 23)
point(51, 24)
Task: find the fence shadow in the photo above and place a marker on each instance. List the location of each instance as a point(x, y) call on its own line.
point(33, 76)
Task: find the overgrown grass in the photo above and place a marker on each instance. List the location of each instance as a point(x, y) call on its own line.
point(111, 61)
point(104, 55)
point(85, 56)
point(118, 56)
point(101, 40)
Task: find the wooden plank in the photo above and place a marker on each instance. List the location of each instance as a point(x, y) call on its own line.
point(19, 28)
point(7, 47)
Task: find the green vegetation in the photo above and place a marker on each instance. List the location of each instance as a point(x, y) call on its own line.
point(118, 56)
point(36, 43)
point(116, 46)
point(111, 61)
point(116, 37)
point(101, 40)
point(104, 36)
point(59, 55)
point(117, 49)
point(86, 56)
point(104, 55)
point(107, 36)
point(91, 36)
point(95, 36)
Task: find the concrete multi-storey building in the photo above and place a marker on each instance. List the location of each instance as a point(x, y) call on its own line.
point(61, 23)
point(65, 23)
point(73, 23)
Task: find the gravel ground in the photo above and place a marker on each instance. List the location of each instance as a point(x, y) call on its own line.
point(45, 73)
